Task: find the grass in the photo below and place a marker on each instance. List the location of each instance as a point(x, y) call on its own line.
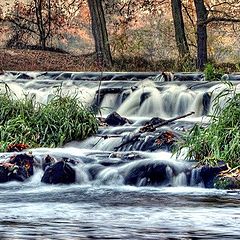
point(220, 141)
point(62, 120)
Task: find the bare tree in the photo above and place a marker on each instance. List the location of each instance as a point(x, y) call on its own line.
point(180, 35)
point(100, 34)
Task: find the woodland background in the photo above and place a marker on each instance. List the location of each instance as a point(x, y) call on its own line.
point(122, 35)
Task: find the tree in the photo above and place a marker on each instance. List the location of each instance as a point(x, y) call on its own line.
point(39, 19)
point(219, 12)
point(202, 16)
point(100, 34)
point(180, 35)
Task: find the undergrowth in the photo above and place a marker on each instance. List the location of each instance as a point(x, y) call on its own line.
point(62, 120)
point(220, 141)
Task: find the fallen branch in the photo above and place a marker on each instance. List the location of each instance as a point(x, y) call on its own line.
point(150, 128)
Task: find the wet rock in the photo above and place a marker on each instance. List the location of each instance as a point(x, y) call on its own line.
point(47, 162)
point(144, 96)
point(225, 182)
point(4, 174)
point(167, 76)
point(64, 76)
point(12, 172)
point(114, 119)
point(24, 76)
point(208, 175)
point(24, 161)
point(149, 174)
point(154, 121)
point(195, 76)
point(94, 170)
point(206, 102)
point(60, 172)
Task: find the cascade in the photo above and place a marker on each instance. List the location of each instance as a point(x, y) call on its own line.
point(136, 96)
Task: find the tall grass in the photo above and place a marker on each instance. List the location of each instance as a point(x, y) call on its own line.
point(62, 120)
point(220, 141)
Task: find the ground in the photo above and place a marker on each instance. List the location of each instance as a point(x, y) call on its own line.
point(35, 60)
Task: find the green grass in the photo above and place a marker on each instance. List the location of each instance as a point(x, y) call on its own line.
point(62, 120)
point(220, 141)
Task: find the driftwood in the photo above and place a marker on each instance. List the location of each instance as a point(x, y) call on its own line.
point(150, 128)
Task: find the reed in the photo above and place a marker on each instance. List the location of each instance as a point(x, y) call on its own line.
point(220, 141)
point(62, 120)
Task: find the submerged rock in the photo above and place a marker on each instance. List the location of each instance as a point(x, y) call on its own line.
point(60, 172)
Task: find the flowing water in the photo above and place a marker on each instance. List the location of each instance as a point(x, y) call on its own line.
point(103, 203)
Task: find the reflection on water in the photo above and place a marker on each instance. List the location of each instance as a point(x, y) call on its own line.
point(84, 212)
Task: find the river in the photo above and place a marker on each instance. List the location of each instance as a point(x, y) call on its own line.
point(106, 207)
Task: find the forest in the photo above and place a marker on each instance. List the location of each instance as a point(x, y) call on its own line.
point(151, 35)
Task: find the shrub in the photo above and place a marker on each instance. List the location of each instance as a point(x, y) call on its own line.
point(212, 73)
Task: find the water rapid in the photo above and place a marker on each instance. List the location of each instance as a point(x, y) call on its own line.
point(135, 191)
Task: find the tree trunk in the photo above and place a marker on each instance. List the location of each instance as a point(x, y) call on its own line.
point(180, 35)
point(202, 16)
point(100, 34)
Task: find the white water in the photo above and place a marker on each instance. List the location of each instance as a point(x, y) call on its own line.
point(104, 207)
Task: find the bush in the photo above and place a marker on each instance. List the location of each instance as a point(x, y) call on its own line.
point(213, 73)
point(62, 120)
point(220, 141)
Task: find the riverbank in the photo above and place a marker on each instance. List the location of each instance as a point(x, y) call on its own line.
point(37, 60)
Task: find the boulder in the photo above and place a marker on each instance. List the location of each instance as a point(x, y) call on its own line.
point(11, 172)
point(208, 175)
point(25, 161)
point(60, 172)
point(114, 119)
point(148, 174)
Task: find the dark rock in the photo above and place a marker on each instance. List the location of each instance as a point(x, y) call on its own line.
point(25, 161)
point(206, 102)
point(154, 121)
point(4, 174)
point(48, 161)
point(13, 173)
point(114, 119)
point(225, 182)
point(144, 96)
point(194, 76)
point(24, 76)
point(208, 175)
point(60, 172)
point(94, 170)
point(148, 174)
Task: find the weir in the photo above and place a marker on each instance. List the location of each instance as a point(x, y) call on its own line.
point(103, 158)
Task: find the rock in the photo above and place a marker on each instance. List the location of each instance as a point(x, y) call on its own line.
point(206, 102)
point(48, 161)
point(167, 76)
point(208, 175)
point(94, 170)
point(11, 172)
point(148, 174)
point(227, 182)
point(114, 119)
point(25, 161)
point(154, 121)
point(60, 172)
point(3, 174)
point(24, 76)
